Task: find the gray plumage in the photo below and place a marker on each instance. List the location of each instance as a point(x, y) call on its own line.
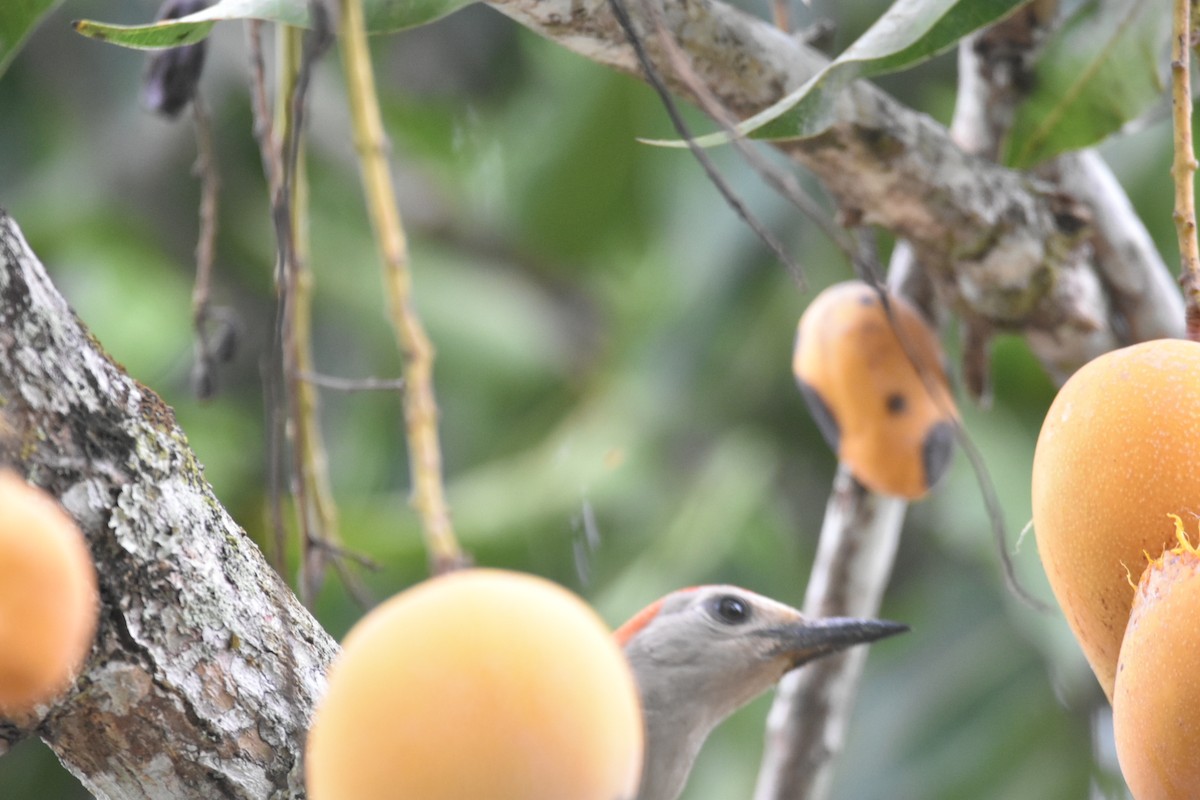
point(700, 654)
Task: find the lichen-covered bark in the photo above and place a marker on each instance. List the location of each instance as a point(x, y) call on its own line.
point(1003, 249)
point(1119, 270)
point(206, 668)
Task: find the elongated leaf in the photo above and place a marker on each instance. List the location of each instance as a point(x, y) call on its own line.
point(383, 16)
point(1103, 68)
point(908, 33)
point(18, 18)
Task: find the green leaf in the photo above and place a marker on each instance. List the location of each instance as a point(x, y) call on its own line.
point(18, 18)
point(383, 16)
point(1102, 69)
point(908, 33)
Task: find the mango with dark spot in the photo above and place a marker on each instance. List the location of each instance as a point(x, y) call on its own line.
point(890, 422)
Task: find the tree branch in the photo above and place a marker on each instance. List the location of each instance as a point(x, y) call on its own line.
point(1001, 247)
point(995, 68)
point(206, 668)
point(807, 724)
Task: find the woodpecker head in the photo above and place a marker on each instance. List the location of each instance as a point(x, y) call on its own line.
point(700, 654)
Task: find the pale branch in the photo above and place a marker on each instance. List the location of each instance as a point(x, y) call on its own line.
point(806, 727)
point(906, 277)
point(295, 58)
point(995, 71)
point(206, 668)
point(1002, 247)
point(1144, 295)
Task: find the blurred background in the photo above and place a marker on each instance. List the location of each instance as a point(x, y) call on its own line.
point(618, 411)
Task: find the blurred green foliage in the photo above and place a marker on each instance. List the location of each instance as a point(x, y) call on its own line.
point(1103, 67)
point(613, 368)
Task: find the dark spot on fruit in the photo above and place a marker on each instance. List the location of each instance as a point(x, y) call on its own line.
point(936, 451)
point(896, 404)
point(821, 414)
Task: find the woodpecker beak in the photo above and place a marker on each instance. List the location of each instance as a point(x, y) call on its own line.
point(806, 639)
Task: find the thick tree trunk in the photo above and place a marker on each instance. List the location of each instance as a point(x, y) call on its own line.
point(206, 668)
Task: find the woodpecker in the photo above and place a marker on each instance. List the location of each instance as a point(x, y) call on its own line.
point(700, 654)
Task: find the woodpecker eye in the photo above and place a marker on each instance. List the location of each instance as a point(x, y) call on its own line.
point(730, 609)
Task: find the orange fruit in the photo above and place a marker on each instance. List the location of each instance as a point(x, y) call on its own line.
point(890, 424)
point(1157, 730)
point(48, 597)
point(1116, 455)
point(478, 684)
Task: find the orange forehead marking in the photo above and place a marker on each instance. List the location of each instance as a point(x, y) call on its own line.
point(637, 622)
point(634, 625)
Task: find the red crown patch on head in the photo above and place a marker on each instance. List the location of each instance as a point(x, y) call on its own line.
point(635, 624)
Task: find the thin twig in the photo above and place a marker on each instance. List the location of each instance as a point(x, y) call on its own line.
point(210, 183)
point(420, 404)
point(292, 401)
point(294, 61)
point(261, 106)
point(269, 153)
point(1183, 168)
point(346, 554)
point(316, 510)
point(780, 180)
point(352, 384)
point(324, 544)
point(710, 169)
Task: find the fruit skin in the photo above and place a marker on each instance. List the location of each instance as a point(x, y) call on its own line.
point(1116, 455)
point(48, 597)
point(873, 407)
point(478, 684)
point(1156, 719)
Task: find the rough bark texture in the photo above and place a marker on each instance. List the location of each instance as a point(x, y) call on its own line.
point(1128, 278)
point(1005, 250)
point(206, 668)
